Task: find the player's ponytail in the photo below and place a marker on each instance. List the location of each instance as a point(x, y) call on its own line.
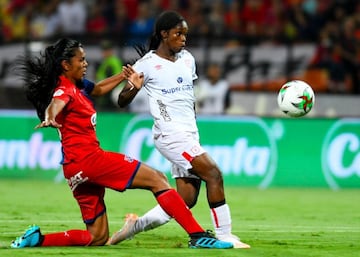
point(41, 73)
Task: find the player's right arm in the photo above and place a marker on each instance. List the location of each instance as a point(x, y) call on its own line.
point(55, 107)
point(132, 87)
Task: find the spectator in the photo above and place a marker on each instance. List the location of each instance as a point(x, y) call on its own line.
point(215, 19)
point(45, 23)
point(15, 20)
point(96, 23)
point(121, 20)
point(212, 91)
point(110, 65)
point(141, 28)
point(72, 17)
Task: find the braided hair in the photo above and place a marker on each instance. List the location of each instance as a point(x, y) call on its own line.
point(166, 21)
point(41, 73)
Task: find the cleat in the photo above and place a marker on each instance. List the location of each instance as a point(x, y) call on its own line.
point(30, 238)
point(234, 240)
point(127, 232)
point(208, 240)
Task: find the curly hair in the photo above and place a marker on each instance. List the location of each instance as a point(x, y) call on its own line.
point(41, 73)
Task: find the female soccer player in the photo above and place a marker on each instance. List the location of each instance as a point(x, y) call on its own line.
point(169, 71)
point(62, 99)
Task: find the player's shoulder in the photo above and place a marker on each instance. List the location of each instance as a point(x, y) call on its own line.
point(147, 57)
point(185, 53)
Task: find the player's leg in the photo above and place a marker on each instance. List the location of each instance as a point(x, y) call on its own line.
point(188, 189)
point(90, 199)
point(171, 202)
point(204, 167)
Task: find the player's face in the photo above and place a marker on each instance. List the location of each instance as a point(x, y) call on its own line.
point(177, 37)
point(77, 65)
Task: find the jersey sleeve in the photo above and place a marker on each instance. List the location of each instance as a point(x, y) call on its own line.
point(142, 66)
point(88, 86)
point(62, 93)
point(193, 68)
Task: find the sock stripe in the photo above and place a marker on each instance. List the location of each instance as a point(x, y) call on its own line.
point(216, 219)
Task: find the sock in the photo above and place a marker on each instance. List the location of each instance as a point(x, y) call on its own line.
point(174, 205)
point(68, 238)
point(221, 219)
point(152, 219)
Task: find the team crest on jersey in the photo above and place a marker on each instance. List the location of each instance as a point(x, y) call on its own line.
point(195, 149)
point(58, 92)
point(93, 119)
point(128, 158)
point(179, 80)
point(188, 62)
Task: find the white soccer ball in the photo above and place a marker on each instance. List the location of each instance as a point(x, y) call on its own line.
point(296, 98)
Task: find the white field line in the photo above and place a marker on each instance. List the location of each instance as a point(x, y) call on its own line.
point(246, 229)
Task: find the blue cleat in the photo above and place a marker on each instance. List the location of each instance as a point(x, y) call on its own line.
point(31, 238)
point(207, 240)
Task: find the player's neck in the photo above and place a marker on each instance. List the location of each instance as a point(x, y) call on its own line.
point(166, 54)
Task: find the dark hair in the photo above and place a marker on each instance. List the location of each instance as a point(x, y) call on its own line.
point(41, 73)
point(166, 21)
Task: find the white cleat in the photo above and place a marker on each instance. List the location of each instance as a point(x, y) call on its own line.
point(127, 232)
point(234, 240)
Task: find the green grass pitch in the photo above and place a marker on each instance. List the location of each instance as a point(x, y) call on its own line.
point(284, 222)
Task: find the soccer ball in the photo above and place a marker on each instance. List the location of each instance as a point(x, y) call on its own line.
point(296, 98)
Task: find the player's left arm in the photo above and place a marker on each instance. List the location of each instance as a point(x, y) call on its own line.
point(106, 85)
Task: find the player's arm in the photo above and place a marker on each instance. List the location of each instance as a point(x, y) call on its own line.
point(106, 85)
point(132, 87)
point(54, 108)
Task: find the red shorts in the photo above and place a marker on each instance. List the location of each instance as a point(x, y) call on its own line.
point(89, 178)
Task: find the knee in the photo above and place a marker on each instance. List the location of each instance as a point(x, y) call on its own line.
point(162, 179)
point(100, 240)
point(214, 175)
point(190, 202)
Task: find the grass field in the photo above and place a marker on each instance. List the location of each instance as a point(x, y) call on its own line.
point(282, 222)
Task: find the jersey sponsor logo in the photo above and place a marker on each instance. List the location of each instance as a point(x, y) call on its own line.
point(158, 67)
point(179, 80)
point(93, 120)
point(128, 158)
point(170, 90)
point(58, 92)
point(174, 90)
point(76, 180)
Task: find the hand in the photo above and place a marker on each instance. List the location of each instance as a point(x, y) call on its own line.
point(48, 123)
point(128, 70)
point(136, 80)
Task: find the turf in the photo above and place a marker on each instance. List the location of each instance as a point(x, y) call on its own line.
point(284, 222)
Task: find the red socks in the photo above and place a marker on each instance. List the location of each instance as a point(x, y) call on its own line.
point(174, 205)
point(68, 238)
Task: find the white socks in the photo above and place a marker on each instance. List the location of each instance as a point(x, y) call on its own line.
point(152, 219)
point(221, 219)
point(156, 217)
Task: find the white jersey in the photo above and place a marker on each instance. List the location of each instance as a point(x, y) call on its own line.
point(170, 88)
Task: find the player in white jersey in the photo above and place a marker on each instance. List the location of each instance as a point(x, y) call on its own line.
point(169, 71)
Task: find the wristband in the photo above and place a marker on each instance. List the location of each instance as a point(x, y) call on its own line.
point(132, 85)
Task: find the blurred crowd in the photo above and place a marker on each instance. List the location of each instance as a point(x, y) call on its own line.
point(301, 20)
point(333, 25)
